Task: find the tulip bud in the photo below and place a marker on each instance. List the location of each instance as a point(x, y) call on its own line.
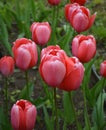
point(103, 68)
point(41, 32)
point(25, 53)
point(23, 115)
point(6, 65)
point(80, 2)
point(84, 47)
point(74, 75)
point(52, 66)
point(54, 2)
point(79, 17)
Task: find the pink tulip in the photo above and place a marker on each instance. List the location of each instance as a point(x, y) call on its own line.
point(103, 68)
point(41, 32)
point(23, 115)
point(80, 2)
point(79, 17)
point(52, 67)
point(7, 65)
point(84, 47)
point(25, 53)
point(74, 75)
point(54, 2)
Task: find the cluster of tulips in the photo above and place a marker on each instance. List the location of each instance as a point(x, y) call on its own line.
point(56, 68)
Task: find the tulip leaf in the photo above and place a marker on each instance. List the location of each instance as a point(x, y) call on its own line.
point(96, 90)
point(23, 94)
point(4, 35)
point(4, 122)
point(49, 122)
point(98, 112)
point(68, 110)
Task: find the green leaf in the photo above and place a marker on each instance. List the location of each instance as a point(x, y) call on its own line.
point(4, 35)
point(68, 109)
point(49, 122)
point(23, 94)
point(98, 115)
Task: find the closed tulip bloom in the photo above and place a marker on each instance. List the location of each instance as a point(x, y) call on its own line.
point(41, 32)
point(52, 66)
point(7, 65)
point(79, 17)
point(74, 75)
point(54, 2)
point(84, 47)
point(81, 2)
point(103, 68)
point(23, 115)
point(25, 53)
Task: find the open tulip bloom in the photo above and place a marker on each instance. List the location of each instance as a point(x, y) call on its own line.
point(23, 115)
point(25, 53)
point(59, 70)
point(79, 17)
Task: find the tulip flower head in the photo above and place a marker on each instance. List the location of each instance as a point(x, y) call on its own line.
point(41, 32)
point(25, 53)
point(103, 69)
point(52, 67)
point(84, 47)
point(80, 2)
point(74, 74)
point(54, 2)
point(59, 70)
point(7, 65)
point(23, 115)
point(79, 17)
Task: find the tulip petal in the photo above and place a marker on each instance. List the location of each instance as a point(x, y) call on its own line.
point(23, 58)
point(80, 22)
point(86, 50)
point(31, 117)
point(53, 72)
point(91, 21)
point(15, 117)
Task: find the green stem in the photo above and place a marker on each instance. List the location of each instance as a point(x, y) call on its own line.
point(6, 94)
point(54, 24)
point(27, 85)
point(87, 121)
point(56, 112)
point(73, 108)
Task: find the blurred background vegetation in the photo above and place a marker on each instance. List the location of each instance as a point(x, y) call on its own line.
point(16, 16)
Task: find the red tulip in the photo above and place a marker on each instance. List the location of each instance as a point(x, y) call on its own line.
point(25, 53)
point(52, 67)
point(81, 2)
point(41, 32)
point(79, 17)
point(54, 2)
point(84, 47)
point(103, 68)
point(23, 115)
point(6, 65)
point(74, 75)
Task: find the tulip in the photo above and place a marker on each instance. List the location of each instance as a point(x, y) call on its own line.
point(74, 75)
point(84, 47)
point(80, 2)
point(79, 17)
point(25, 53)
point(23, 115)
point(54, 2)
point(7, 65)
point(41, 32)
point(103, 68)
point(52, 66)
